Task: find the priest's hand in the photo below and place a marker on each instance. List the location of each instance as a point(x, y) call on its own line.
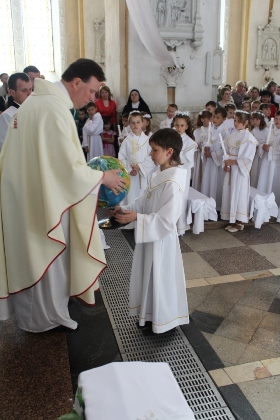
point(266, 147)
point(113, 181)
point(127, 216)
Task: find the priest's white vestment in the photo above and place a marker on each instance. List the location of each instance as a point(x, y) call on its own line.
point(241, 146)
point(213, 174)
point(157, 283)
point(91, 136)
point(187, 159)
point(50, 246)
point(269, 178)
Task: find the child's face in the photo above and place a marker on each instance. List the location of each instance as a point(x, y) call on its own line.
point(239, 125)
point(277, 121)
point(136, 125)
point(82, 115)
point(278, 90)
point(266, 112)
point(246, 107)
point(210, 108)
point(107, 126)
point(180, 125)
point(256, 122)
point(230, 113)
point(125, 122)
point(171, 111)
point(218, 119)
point(160, 156)
point(91, 111)
point(254, 94)
point(265, 99)
point(144, 124)
point(205, 121)
point(255, 107)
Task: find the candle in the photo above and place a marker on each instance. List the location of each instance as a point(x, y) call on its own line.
point(269, 131)
point(209, 133)
point(222, 144)
point(119, 130)
point(134, 151)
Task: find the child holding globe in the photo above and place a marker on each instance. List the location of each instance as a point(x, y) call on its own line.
point(157, 284)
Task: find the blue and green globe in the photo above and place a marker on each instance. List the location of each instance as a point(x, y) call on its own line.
point(104, 163)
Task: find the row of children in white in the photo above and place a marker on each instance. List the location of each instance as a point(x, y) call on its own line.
point(263, 165)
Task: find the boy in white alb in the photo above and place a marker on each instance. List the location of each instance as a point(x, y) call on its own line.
point(269, 178)
point(241, 148)
point(157, 283)
point(213, 174)
point(92, 142)
point(171, 109)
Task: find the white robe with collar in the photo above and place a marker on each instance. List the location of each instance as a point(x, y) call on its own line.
point(5, 119)
point(240, 146)
point(213, 174)
point(91, 136)
point(269, 178)
point(260, 136)
point(157, 284)
point(187, 159)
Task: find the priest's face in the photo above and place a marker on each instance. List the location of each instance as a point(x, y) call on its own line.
point(84, 92)
point(23, 90)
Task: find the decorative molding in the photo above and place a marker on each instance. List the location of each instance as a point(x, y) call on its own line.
point(99, 27)
point(226, 39)
point(217, 66)
point(16, 8)
point(268, 47)
point(62, 34)
point(179, 21)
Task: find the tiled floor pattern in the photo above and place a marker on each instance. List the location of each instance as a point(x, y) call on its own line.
point(237, 310)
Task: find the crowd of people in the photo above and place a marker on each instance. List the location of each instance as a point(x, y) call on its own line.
point(233, 144)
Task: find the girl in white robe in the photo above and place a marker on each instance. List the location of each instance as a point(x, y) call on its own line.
point(260, 132)
point(269, 178)
point(241, 148)
point(183, 126)
point(213, 174)
point(92, 142)
point(135, 155)
point(200, 136)
point(157, 283)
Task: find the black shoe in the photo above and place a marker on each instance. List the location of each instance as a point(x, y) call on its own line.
point(147, 326)
point(64, 329)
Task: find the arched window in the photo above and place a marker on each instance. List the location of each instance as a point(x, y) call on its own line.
point(26, 36)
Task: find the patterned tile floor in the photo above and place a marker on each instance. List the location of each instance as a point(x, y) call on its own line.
point(233, 285)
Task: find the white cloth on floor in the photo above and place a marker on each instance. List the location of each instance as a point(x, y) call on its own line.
point(131, 390)
point(203, 208)
point(262, 207)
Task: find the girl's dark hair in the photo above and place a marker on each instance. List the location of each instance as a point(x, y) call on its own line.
point(264, 106)
point(149, 126)
point(84, 68)
point(277, 114)
point(169, 138)
point(230, 106)
point(224, 89)
point(243, 116)
point(201, 115)
point(260, 116)
point(211, 103)
point(189, 130)
point(83, 109)
point(90, 104)
point(126, 115)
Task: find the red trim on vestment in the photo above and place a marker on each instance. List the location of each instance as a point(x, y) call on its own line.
point(53, 239)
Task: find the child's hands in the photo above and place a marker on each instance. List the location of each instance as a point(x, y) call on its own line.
point(266, 147)
point(207, 152)
point(133, 173)
point(127, 216)
point(135, 168)
point(226, 168)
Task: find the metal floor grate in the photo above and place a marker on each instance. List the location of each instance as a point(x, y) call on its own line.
point(171, 347)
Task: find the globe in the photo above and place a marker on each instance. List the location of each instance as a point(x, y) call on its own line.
point(104, 163)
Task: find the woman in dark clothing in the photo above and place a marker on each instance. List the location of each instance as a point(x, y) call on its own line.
point(136, 103)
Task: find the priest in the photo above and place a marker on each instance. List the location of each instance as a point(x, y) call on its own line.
point(50, 246)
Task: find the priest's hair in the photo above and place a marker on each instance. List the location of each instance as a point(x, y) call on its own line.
point(84, 68)
point(167, 138)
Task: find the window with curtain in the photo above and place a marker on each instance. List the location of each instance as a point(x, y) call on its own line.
point(26, 35)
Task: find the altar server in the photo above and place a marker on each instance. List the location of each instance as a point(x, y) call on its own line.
point(240, 147)
point(270, 170)
point(260, 132)
point(92, 141)
point(157, 284)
